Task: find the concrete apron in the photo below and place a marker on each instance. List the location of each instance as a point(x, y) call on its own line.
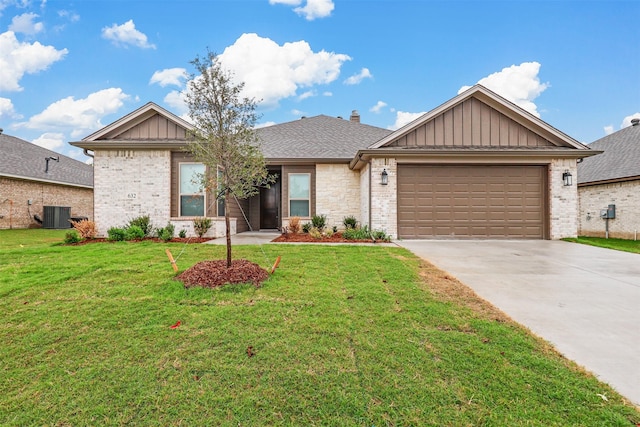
point(247, 238)
point(583, 299)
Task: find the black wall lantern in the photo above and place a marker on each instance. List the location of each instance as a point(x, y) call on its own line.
point(567, 178)
point(385, 177)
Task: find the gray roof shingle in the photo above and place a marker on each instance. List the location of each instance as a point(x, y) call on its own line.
point(621, 157)
point(22, 159)
point(318, 137)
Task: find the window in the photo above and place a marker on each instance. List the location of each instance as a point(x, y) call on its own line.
point(299, 194)
point(191, 191)
point(220, 196)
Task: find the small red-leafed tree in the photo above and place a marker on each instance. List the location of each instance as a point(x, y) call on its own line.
point(224, 137)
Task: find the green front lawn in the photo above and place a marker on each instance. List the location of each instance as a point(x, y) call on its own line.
point(339, 336)
point(617, 244)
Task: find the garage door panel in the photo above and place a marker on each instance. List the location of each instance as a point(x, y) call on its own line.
point(471, 201)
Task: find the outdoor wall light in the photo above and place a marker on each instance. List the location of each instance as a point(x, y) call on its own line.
point(385, 177)
point(567, 178)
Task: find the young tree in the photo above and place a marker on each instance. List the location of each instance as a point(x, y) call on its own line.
point(224, 138)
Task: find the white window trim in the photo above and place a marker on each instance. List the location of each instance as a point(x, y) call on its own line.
point(289, 198)
point(180, 194)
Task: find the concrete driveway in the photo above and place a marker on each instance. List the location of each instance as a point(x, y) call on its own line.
point(584, 300)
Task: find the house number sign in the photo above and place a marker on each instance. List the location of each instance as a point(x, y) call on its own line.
point(132, 195)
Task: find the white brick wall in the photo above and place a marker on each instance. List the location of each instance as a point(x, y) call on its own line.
point(626, 197)
point(384, 204)
point(364, 195)
point(131, 183)
point(337, 193)
point(563, 200)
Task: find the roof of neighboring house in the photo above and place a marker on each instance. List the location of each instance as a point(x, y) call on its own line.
point(318, 137)
point(619, 161)
point(24, 160)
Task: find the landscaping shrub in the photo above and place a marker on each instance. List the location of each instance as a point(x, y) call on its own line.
point(72, 237)
point(315, 233)
point(202, 225)
point(380, 235)
point(183, 233)
point(116, 234)
point(85, 228)
point(133, 232)
point(360, 233)
point(144, 222)
point(306, 227)
point(335, 229)
point(349, 222)
point(294, 224)
point(166, 233)
point(319, 222)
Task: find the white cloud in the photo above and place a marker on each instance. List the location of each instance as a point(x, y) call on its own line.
point(378, 107)
point(26, 24)
point(357, 78)
point(7, 110)
point(80, 115)
point(264, 125)
point(71, 16)
point(327, 93)
point(272, 72)
point(126, 34)
point(307, 94)
point(312, 10)
point(403, 118)
point(175, 99)
point(627, 120)
point(608, 130)
point(518, 83)
point(169, 76)
point(51, 141)
point(18, 59)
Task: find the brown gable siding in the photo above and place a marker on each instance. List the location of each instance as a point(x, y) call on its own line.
point(286, 170)
point(471, 123)
point(155, 127)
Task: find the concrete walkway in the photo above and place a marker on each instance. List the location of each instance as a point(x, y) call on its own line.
point(247, 238)
point(583, 299)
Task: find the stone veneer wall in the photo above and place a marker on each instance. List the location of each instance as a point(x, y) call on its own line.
point(384, 202)
point(16, 212)
point(563, 200)
point(626, 197)
point(337, 193)
point(131, 183)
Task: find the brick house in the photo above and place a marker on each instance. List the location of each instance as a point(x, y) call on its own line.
point(611, 178)
point(32, 177)
point(477, 166)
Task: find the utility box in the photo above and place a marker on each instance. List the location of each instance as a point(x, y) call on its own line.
point(609, 212)
point(56, 217)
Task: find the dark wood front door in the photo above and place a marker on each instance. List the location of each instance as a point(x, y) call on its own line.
point(270, 207)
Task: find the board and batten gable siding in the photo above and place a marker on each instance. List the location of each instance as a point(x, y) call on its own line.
point(286, 170)
point(155, 127)
point(471, 123)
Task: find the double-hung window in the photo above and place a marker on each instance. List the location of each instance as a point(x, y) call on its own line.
point(192, 197)
point(299, 194)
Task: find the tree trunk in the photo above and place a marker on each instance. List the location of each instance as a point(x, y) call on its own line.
point(227, 224)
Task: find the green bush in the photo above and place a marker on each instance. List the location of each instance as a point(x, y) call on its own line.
point(319, 222)
point(133, 232)
point(182, 234)
point(116, 234)
point(335, 229)
point(360, 233)
point(72, 237)
point(202, 225)
point(315, 233)
point(166, 233)
point(306, 227)
point(144, 222)
point(349, 222)
point(380, 235)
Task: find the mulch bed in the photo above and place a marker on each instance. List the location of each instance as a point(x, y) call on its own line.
point(152, 239)
point(307, 238)
point(211, 274)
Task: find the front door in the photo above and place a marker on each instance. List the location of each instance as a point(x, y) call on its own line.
point(270, 206)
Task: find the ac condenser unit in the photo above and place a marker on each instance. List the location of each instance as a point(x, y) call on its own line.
point(56, 217)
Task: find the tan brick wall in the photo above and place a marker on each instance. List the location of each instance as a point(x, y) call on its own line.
point(563, 200)
point(15, 211)
point(337, 193)
point(626, 197)
point(384, 201)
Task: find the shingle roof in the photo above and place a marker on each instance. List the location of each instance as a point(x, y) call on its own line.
point(22, 159)
point(318, 137)
point(621, 157)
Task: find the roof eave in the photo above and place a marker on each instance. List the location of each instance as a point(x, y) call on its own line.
point(609, 181)
point(119, 144)
point(48, 181)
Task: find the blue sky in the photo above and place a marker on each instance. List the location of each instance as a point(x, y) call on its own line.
point(68, 68)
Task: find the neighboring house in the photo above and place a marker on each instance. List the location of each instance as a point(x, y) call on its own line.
point(612, 178)
point(478, 166)
point(32, 177)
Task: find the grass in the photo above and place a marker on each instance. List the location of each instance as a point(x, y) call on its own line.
point(342, 336)
point(617, 244)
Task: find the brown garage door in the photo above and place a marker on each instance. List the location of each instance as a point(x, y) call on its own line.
point(471, 201)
